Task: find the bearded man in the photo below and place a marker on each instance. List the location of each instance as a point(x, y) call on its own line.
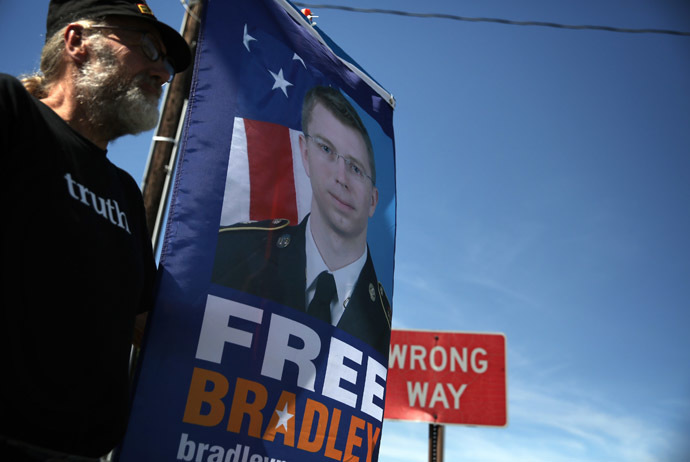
point(77, 263)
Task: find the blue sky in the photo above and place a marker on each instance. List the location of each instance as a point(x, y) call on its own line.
point(543, 181)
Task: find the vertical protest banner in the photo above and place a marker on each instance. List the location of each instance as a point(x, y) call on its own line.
point(286, 172)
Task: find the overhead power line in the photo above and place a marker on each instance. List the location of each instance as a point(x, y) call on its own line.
point(493, 20)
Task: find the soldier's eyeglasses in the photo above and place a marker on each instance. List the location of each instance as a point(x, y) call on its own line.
point(353, 168)
point(148, 44)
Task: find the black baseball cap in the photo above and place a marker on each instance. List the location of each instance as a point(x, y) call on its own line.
point(64, 12)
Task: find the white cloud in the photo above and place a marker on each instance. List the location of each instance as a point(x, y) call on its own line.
point(545, 425)
point(613, 435)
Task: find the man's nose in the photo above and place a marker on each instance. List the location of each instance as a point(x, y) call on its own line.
point(341, 170)
point(160, 72)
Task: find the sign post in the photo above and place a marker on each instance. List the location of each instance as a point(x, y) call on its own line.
point(436, 433)
point(446, 378)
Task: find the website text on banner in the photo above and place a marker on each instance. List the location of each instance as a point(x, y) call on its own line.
point(270, 335)
point(447, 378)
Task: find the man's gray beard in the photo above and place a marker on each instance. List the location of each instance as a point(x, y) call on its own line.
point(114, 104)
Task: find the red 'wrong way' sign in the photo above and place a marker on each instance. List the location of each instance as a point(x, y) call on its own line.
point(447, 377)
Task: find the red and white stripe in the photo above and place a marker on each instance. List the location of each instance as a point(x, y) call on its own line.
point(265, 178)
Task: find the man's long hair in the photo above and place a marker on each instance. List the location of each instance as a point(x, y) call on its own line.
point(51, 66)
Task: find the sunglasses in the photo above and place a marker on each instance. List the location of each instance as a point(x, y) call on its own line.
point(148, 44)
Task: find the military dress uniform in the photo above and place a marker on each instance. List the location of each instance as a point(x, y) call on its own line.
point(268, 259)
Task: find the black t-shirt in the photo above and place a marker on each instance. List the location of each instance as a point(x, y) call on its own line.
point(77, 267)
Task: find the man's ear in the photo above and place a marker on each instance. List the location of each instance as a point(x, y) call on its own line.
point(374, 201)
point(74, 43)
point(303, 152)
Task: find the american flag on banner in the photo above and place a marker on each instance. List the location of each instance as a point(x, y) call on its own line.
point(265, 177)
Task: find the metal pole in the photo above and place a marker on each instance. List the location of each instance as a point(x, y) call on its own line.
point(436, 442)
point(164, 140)
point(169, 169)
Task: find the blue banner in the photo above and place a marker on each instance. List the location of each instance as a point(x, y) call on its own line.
point(270, 335)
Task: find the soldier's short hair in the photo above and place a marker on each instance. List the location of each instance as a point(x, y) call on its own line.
point(341, 108)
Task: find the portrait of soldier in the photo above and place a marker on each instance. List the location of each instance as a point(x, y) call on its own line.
point(322, 266)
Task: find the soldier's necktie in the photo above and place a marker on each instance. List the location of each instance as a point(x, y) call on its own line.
point(320, 306)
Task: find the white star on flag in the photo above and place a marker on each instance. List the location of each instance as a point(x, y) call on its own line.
point(247, 38)
point(280, 81)
point(297, 57)
point(284, 416)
